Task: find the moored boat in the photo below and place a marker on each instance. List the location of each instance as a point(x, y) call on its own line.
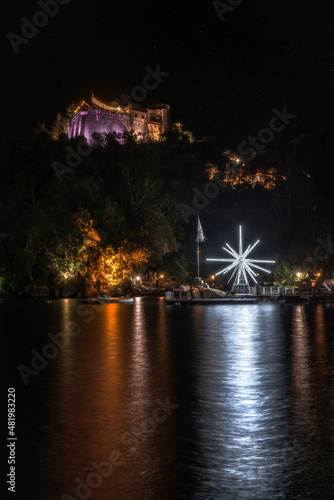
point(104, 299)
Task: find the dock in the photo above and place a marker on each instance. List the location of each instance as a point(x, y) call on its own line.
point(185, 295)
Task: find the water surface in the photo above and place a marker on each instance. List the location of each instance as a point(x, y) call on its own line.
point(250, 389)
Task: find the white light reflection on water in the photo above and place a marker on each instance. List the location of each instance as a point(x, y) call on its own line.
point(300, 357)
point(247, 411)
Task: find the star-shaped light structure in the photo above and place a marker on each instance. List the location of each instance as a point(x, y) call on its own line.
point(241, 265)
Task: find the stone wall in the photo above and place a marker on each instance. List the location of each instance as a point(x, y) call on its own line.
point(145, 123)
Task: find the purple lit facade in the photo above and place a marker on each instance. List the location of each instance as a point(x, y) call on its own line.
point(146, 123)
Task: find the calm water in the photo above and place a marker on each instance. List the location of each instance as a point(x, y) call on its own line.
point(202, 402)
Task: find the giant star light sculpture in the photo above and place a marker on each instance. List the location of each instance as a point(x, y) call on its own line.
point(242, 265)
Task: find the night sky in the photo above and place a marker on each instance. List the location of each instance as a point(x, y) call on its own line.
point(225, 76)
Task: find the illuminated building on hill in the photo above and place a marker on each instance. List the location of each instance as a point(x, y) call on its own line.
point(145, 123)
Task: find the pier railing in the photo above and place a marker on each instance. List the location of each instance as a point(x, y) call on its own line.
point(273, 290)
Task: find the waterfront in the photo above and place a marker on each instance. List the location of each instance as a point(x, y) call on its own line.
point(200, 402)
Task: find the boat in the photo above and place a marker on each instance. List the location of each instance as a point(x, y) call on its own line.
point(104, 299)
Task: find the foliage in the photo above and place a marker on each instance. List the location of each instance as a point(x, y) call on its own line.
point(72, 107)
point(58, 127)
point(117, 213)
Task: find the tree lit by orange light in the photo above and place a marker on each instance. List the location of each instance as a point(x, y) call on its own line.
point(123, 262)
point(211, 169)
point(106, 265)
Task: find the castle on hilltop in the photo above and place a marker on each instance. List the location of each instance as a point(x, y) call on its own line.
point(145, 123)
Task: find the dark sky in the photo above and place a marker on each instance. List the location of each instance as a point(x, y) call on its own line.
point(225, 77)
